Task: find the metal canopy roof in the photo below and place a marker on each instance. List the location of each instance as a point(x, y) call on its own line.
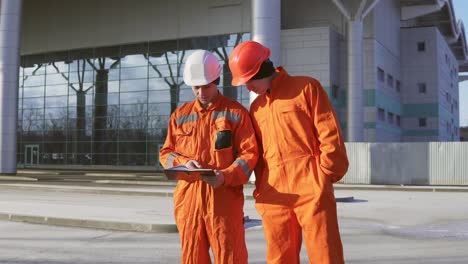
point(438, 13)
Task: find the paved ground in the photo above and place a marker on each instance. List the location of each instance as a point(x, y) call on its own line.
point(381, 224)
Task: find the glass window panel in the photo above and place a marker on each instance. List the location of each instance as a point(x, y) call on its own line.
point(132, 147)
point(133, 110)
point(157, 84)
point(133, 97)
point(54, 147)
point(55, 124)
point(36, 70)
point(108, 58)
point(54, 135)
point(164, 70)
point(77, 65)
point(134, 60)
point(37, 102)
point(55, 90)
point(57, 66)
point(112, 99)
point(77, 87)
point(132, 159)
point(134, 73)
point(104, 159)
point(33, 91)
point(132, 134)
point(72, 100)
point(32, 125)
point(77, 77)
point(133, 85)
point(137, 123)
point(33, 114)
point(57, 78)
point(79, 146)
point(163, 96)
point(56, 113)
point(159, 109)
point(186, 95)
point(113, 86)
point(33, 80)
point(156, 122)
point(56, 101)
point(114, 74)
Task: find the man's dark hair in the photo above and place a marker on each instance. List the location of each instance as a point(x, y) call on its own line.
point(266, 70)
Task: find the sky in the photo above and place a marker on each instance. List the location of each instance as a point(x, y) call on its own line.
point(461, 12)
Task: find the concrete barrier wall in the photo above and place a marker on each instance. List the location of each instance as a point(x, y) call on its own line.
point(415, 163)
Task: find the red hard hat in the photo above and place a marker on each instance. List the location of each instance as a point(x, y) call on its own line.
point(245, 61)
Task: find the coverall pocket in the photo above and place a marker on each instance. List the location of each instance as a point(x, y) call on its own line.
point(184, 139)
point(223, 139)
point(224, 157)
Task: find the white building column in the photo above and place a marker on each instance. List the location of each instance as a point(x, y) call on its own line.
point(10, 27)
point(355, 113)
point(266, 28)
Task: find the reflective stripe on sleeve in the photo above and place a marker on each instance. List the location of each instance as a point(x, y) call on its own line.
point(244, 166)
point(233, 117)
point(186, 119)
point(170, 159)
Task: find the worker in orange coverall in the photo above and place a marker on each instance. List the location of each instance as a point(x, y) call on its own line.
point(302, 154)
point(212, 132)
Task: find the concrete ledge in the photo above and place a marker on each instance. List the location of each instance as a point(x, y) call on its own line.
point(98, 224)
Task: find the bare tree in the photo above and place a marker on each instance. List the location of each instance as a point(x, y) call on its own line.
point(228, 90)
point(174, 76)
point(100, 106)
point(79, 135)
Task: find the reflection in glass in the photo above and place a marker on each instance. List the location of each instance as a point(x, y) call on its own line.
point(110, 105)
point(134, 85)
point(33, 80)
point(33, 91)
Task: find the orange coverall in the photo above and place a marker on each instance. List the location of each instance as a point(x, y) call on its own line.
point(303, 154)
point(220, 137)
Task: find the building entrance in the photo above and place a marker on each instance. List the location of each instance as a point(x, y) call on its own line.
point(31, 155)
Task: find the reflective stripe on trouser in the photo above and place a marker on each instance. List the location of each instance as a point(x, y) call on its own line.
point(316, 219)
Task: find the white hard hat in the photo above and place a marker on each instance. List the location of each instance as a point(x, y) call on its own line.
point(201, 68)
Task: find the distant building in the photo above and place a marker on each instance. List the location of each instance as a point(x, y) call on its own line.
point(99, 79)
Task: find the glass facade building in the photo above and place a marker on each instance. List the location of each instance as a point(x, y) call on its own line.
point(108, 105)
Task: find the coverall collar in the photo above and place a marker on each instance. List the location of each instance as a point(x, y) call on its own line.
point(276, 82)
point(214, 104)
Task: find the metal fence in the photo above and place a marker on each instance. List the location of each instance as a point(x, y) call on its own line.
point(415, 163)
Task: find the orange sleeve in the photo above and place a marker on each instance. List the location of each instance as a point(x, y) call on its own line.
point(245, 145)
point(333, 157)
point(167, 155)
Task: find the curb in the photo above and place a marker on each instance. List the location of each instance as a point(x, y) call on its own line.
point(97, 224)
point(90, 190)
point(402, 188)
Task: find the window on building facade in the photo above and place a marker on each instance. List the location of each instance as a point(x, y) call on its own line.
point(381, 114)
point(422, 87)
point(380, 74)
point(390, 117)
point(421, 46)
point(398, 86)
point(398, 120)
point(422, 122)
point(335, 91)
point(390, 80)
